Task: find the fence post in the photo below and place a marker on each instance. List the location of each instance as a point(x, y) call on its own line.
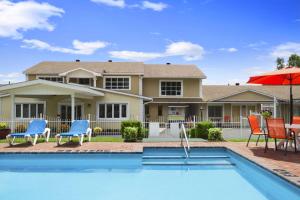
point(241, 126)
point(194, 121)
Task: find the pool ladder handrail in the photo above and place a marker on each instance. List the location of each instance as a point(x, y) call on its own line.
point(187, 146)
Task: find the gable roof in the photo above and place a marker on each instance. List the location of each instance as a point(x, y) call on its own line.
point(172, 71)
point(125, 68)
point(218, 92)
point(97, 67)
point(51, 83)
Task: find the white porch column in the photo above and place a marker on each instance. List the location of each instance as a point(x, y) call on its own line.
point(12, 110)
point(72, 107)
point(95, 81)
point(275, 107)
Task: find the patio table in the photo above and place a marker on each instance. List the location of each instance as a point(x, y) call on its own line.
point(288, 127)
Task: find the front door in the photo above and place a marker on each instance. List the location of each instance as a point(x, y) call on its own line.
point(66, 113)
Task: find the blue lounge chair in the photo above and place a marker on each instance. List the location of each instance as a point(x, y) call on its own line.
point(36, 128)
point(79, 128)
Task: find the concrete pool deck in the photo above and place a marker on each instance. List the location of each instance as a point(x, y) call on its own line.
point(286, 166)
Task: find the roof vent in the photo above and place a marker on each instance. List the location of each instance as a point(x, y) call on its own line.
point(237, 84)
point(168, 63)
point(77, 60)
point(109, 60)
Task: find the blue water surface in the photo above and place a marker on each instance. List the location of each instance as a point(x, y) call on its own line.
point(124, 177)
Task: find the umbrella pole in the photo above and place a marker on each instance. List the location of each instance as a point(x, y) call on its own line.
point(291, 102)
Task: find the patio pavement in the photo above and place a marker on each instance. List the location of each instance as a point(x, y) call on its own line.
point(286, 166)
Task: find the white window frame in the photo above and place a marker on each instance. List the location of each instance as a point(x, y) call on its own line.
point(160, 81)
point(220, 105)
point(69, 104)
point(91, 82)
point(39, 77)
point(104, 82)
point(112, 118)
point(21, 103)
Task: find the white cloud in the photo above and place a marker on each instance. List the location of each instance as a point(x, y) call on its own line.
point(114, 3)
point(187, 50)
point(83, 48)
point(286, 49)
point(12, 77)
point(22, 16)
point(159, 6)
point(153, 6)
point(135, 55)
point(230, 50)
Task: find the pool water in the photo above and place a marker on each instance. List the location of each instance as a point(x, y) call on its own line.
point(155, 174)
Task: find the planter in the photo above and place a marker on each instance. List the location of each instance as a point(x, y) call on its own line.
point(4, 133)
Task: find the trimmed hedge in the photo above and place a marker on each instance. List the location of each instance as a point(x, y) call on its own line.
point(130, 134)
point(132, 123)
point(201, 130)
point(215, 134)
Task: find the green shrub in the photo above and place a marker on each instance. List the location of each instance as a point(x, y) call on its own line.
point(193, 133)
point(145, 132)
point(130, 134)
point(3, 125)
point(97, 130)
point(215, 134)
point(132, 123)
point(202, 129)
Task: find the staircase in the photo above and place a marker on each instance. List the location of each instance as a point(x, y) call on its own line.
point(177, 157)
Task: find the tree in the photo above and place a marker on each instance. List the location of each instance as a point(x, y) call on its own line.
point(280, 63)
point(294, 60)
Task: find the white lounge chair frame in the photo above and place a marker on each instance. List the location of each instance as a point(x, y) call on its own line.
point(88, 133)
point(45, 134)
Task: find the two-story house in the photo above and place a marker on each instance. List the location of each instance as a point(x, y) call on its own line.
point(106, 90)
point(122, 90)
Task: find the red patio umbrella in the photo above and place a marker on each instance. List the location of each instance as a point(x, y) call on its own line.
point(286, 76)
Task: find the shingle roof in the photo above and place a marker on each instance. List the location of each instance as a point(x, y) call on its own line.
point(172, 70)
point(98, 67)
point(148, 70)
point(214, 92)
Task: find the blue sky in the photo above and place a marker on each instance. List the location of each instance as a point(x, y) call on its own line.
point(228, 39)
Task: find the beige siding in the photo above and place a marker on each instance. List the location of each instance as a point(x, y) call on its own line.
point(31, 77)
point(151, 87)
point(5, 107)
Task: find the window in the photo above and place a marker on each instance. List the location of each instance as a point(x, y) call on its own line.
point(52, 78)
point(171, 88)
point(215, 111)
point(117, 83)
point(29, 110)
point(81, 81)
point(112, 111)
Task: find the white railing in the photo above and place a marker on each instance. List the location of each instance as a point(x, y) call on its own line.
point(184, 136)
point(112, 127)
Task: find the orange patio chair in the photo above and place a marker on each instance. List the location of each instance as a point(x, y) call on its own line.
point(296, 120)
point(255, 128)
point(277, 130)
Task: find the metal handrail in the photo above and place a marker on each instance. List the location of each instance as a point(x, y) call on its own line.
point(187, 147)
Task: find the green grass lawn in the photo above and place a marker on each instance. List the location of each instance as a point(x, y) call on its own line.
point(94, 139)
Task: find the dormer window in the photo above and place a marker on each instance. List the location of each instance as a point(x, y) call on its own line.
point(82, 81)
point(117, 83)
